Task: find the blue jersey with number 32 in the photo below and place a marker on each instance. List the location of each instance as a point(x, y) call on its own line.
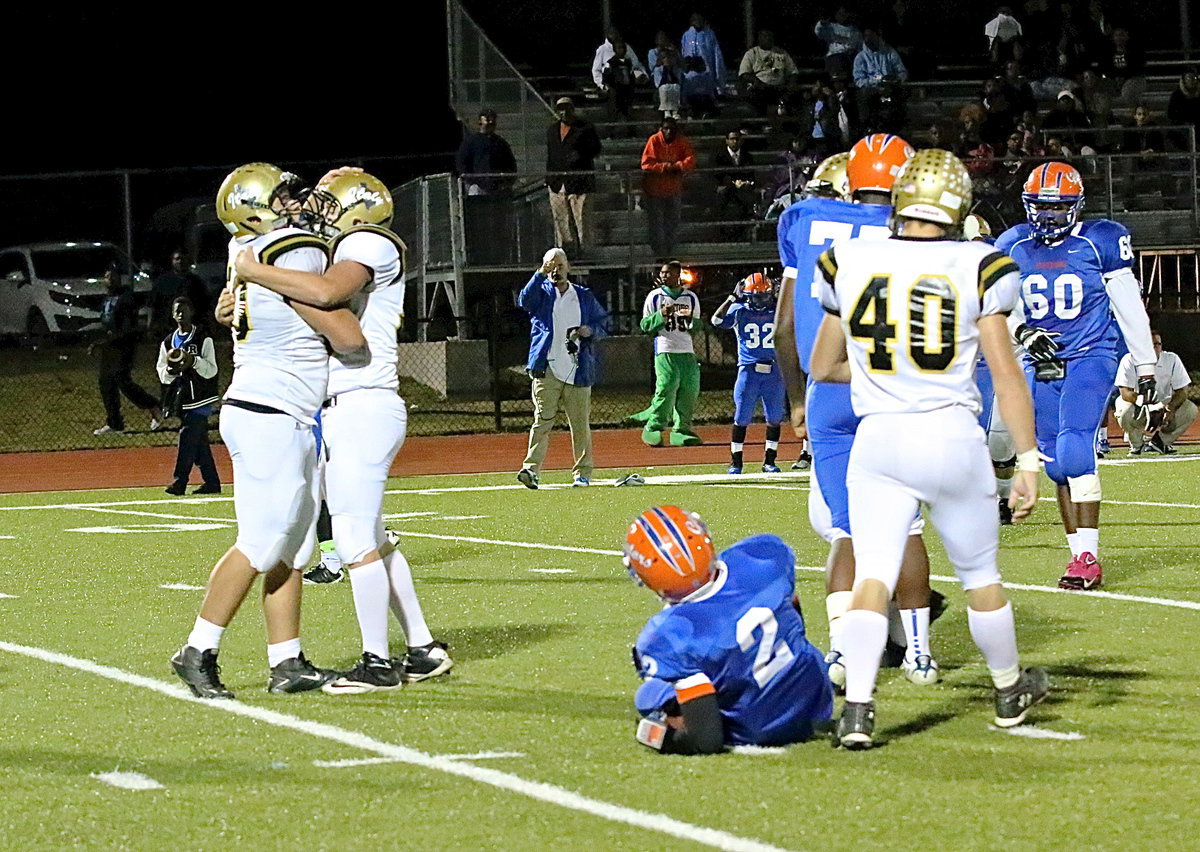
point(1062, 285)
point(755, 333)
point(806, 229)
point(748, 639)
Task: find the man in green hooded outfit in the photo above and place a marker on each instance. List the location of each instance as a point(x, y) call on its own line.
point(671, 314)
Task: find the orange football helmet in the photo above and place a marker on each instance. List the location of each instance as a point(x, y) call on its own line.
point(758, 291)
point(1053, 200)
point(875, 161)
point(669, 551)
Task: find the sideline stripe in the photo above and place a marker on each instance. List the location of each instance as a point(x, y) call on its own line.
point(128, 780)
point(503, 780)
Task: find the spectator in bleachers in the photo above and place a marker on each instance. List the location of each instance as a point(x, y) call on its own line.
point(572, 146)
point(1020, 93)
point(1072, 44)
point(1001, 115)
point(842, 41)
point(1031, 127)
point(1183, 108)
point(708, 76)
point(791, 172)
point(1143, 136)
point(818, 122)
point(969, 146)
point(1123, 64)
point(1066, 115)
point(878, 73)
point(1096, 104)
point(737, 196)
point(667, 157)
point(663, 60)
point(937, 135)
point(484, 158)
point(605, 52)
point(1004, 34)
point(767, 73)
point(618, 80)
point(1057, 149)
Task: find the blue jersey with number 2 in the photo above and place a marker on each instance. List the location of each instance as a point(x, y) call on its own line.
point(748, 638)
point(806, 229)
point(1062, 285)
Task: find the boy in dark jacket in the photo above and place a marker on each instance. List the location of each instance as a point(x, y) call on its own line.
point(187, 366)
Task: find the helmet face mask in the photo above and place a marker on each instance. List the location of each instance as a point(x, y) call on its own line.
point(256, 199)
point(829, 179)
point(669, 551)
point(759, 292)
point(354, 199)
point(1053, 200)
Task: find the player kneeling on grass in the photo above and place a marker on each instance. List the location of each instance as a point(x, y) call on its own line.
point(750, 312)
point(905, 320)
point(727, 662)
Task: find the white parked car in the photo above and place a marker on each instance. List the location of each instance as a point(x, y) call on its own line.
point(59, 287)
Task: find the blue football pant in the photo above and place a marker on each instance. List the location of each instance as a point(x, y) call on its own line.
point(1067, 413)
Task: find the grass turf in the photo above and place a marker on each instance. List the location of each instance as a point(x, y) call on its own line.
point(543, 669)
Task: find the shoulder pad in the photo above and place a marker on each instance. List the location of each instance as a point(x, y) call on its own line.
point(271, 253)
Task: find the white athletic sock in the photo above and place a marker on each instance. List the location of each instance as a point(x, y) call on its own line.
point(995, 635)
point(836, 605)
point(1073, 543)
point(772, 445)
point(1089, 540)
point(863, 636)
point(735, 447)
point(205, 635)
point(896, 625)
point(1003, 487)
point(281, 651)
point(369, 583)
point(916, 632)
point(404, 601)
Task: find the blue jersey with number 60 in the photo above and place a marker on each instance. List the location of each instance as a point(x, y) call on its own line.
point(1062, 285)
point(805, 230)
point(748, 638)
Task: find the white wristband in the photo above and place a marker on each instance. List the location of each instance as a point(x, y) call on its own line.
point(1029, 461)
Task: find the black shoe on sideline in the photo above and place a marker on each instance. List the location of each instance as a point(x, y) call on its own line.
point(298, 675)
point(206, 488)
point(370, 675)
point(199, 670)
point(425, 662)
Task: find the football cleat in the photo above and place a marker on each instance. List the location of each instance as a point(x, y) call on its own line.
point(1083, 573)
point(1005, 513)
point(734, 470)
point(804, 462)
point(1158, 444)
point(322, 575)
point(298, 675)
point(581, 482)
point(856, 726)
point(923, 670)
point(1014, 702)
point(424, 662)
point(370, 675)
point(837, 671)
point(199, 670)
point(668, 550)
point(631, 479)
point(528, 478)
point(770, 468)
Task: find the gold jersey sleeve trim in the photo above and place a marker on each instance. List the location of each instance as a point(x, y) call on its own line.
point(827, 263)
point(994, 267)
point(271, 254)
point(374, 229)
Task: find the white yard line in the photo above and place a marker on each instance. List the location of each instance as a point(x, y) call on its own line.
point(1038, 733)
point(128, 780)
point(373, 761)
point(537, 790)
point(8, 597)
point(181, 587)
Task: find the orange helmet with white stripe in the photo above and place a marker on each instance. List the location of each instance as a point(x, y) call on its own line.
point(758, 291)
point(1053, 200)
point(875, 161)
point(669, 551)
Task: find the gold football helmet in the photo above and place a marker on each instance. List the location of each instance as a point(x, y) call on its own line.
point(353, 198)
point(254, 199)
point(829, 178)
point(933, 186)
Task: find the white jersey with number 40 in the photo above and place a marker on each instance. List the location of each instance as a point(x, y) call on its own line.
point(278, 360)
point(909, 309)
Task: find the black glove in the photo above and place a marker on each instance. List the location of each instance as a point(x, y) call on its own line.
point(737, 293)
point(1040, 344)
point(1147, 391)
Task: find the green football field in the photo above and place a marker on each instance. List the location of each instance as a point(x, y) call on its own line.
point(528, 743)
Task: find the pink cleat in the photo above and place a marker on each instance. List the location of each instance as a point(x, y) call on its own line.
point(1083, 573)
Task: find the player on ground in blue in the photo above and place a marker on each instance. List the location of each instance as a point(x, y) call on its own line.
point(727, 661)
point(807, 228)
point(750, 312)
point(1080, 298)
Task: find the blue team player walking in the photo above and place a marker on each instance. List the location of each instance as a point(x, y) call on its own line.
point(727, 661)
point(1080, 299)
point(750, 312)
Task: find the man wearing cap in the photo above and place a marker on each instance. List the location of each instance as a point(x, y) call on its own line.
point(572, 146)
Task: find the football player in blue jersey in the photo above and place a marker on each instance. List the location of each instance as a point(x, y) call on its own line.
point(750, 312)
point(823, 410)
point(727, 661)
point(1080, 298)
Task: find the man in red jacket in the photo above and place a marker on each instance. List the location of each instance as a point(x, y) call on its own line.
point(665, 159)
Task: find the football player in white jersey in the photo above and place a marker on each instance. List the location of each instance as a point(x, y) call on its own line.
point(281, 371)
point(906, 319)
point(363, 421)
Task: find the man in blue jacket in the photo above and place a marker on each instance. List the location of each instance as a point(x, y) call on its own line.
point(566, 321)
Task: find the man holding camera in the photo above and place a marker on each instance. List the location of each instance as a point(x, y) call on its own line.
point(565, 321)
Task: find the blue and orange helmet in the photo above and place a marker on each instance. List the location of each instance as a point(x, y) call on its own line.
point(875, 161)
point(669, 550)
point(1053, 200)
point(758, 291)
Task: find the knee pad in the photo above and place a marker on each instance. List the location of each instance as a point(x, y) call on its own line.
point(1077, 453)
point(354, 537)
point(1084, 489)
point(265, 553)
point(1004, 468)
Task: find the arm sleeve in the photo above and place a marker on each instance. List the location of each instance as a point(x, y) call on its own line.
point(1179, 374)
point(999, 284)
point(744, 67)
point(861, 77)
point(161, 366)
point(703, 730)
point(825, 275)
point(206, 363)
point(638, 67)
point(787, 252)
point(1126, 375)
point(688, 163)
point(729, 318)
point(897, 66)
point(1125, 296)
point(598, 67)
